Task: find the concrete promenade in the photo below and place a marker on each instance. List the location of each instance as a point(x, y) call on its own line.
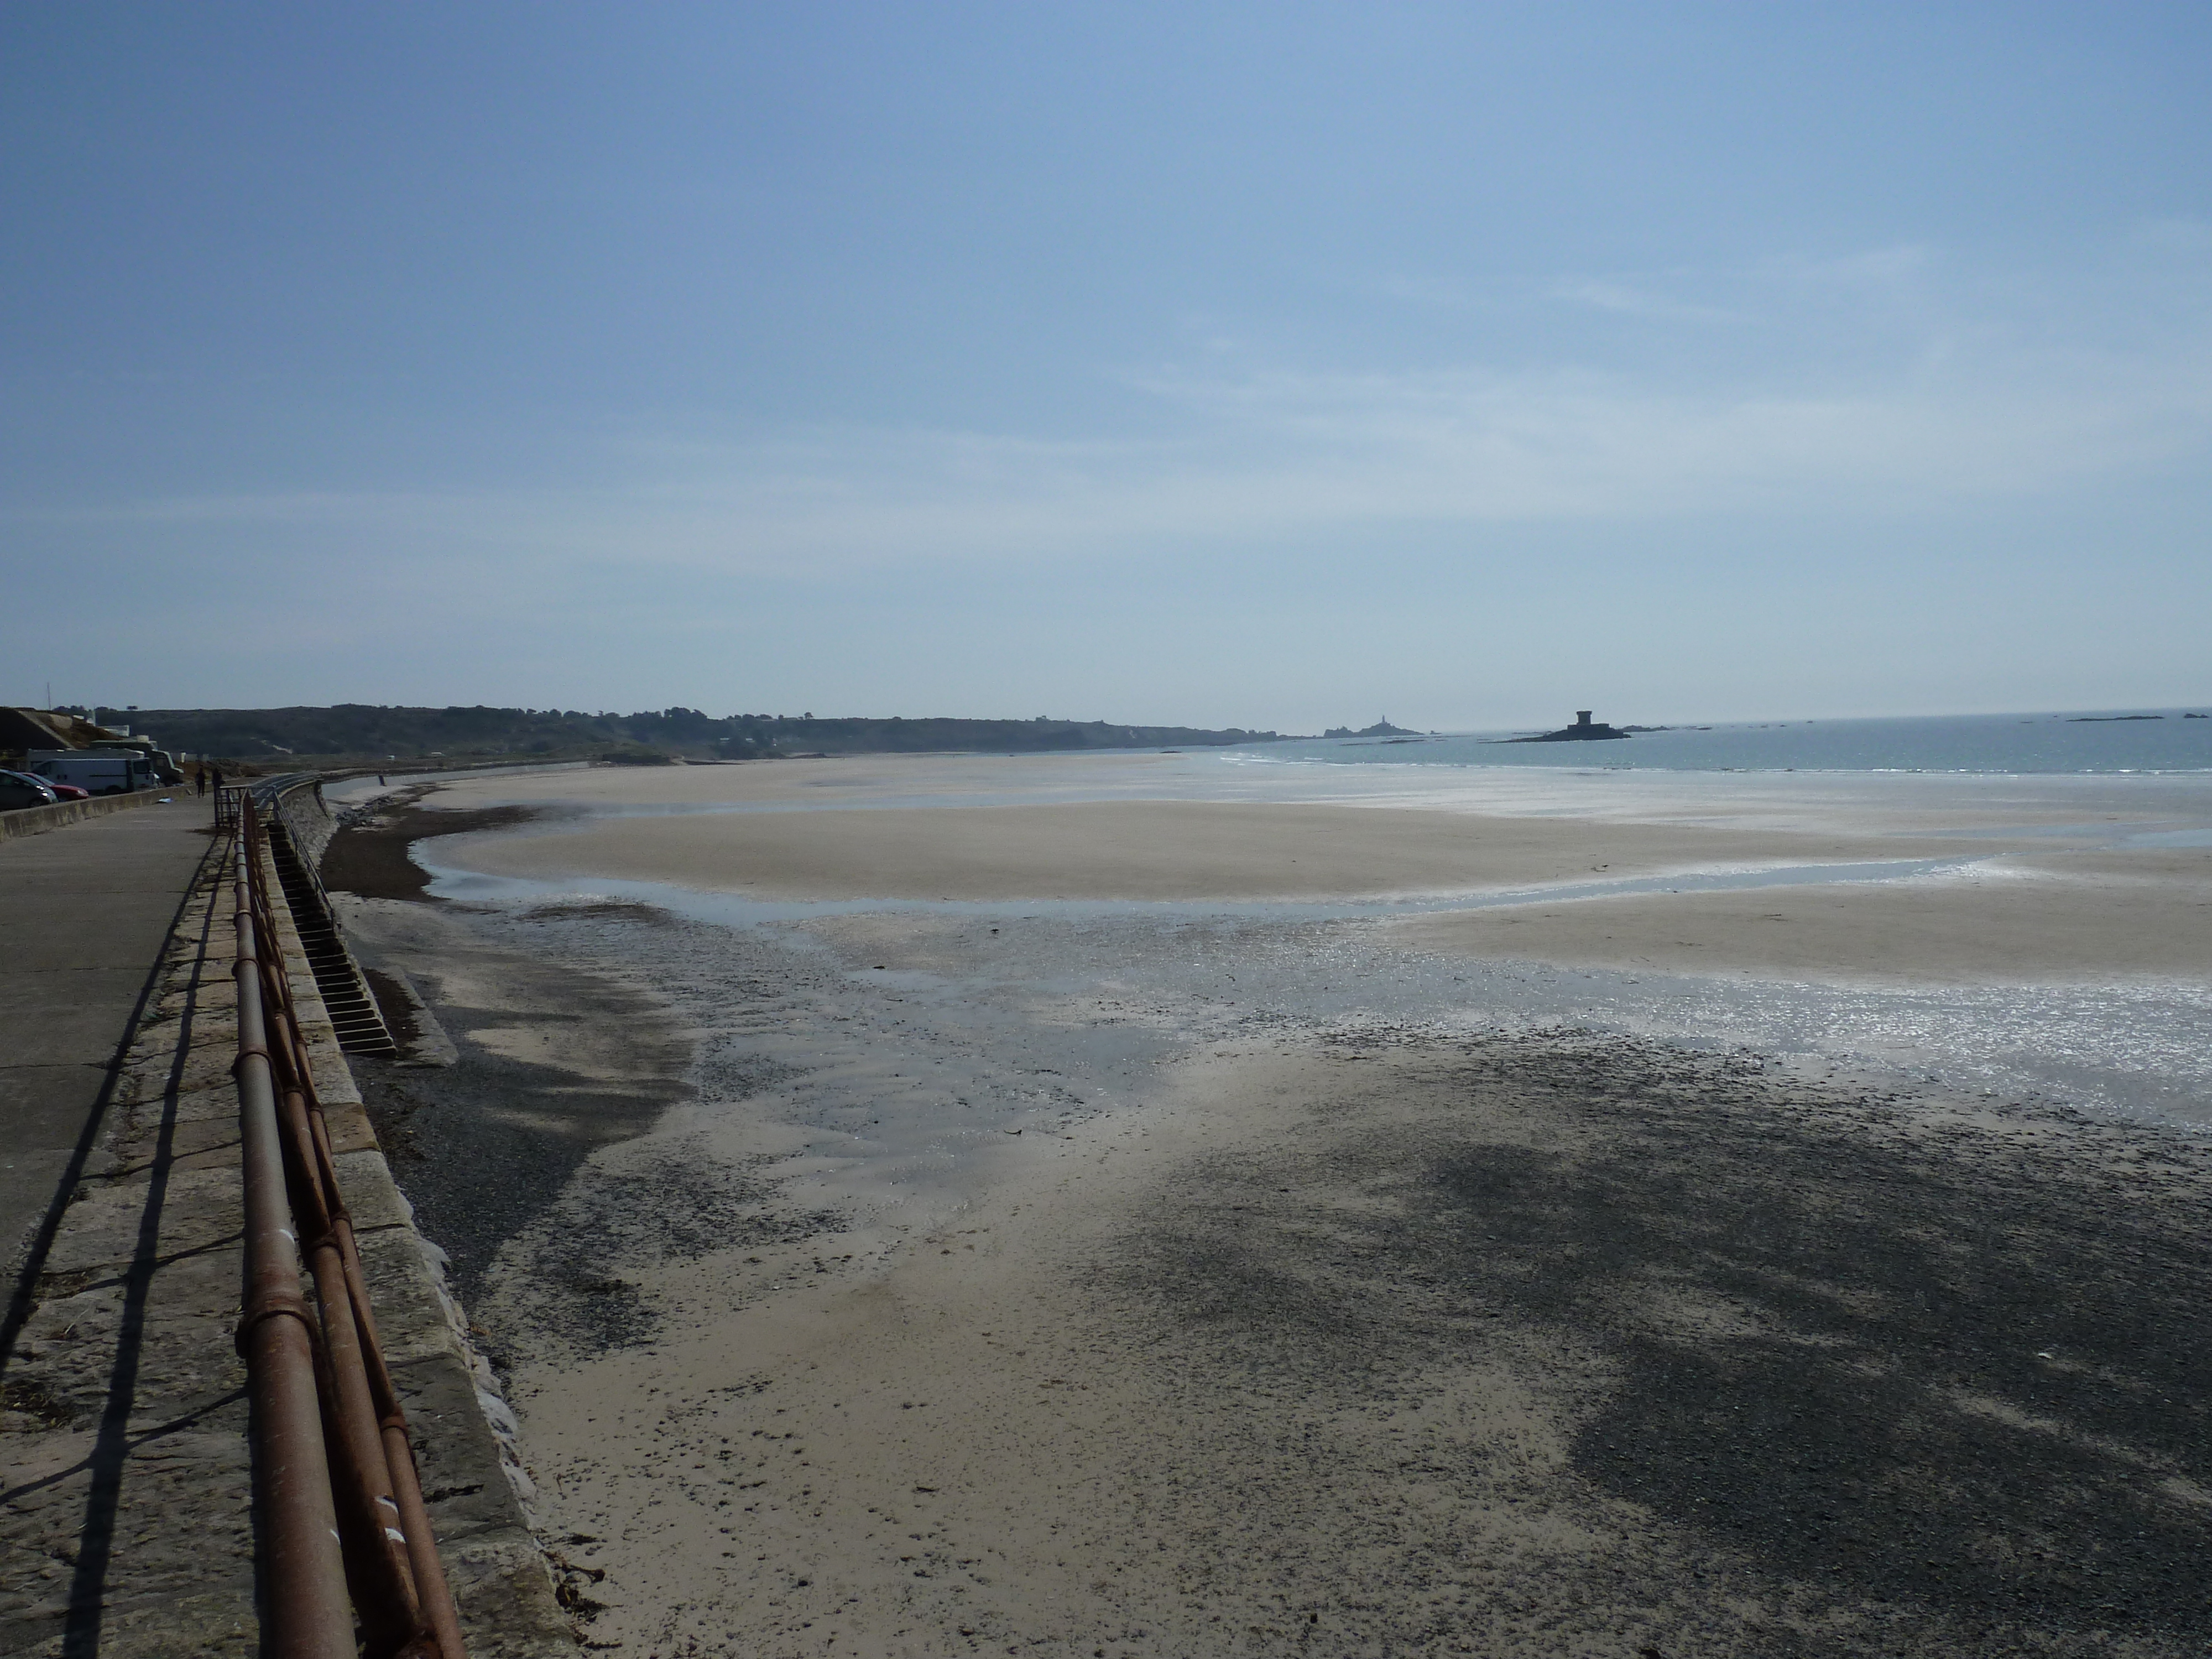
point(85, 909)
point(126, 1524)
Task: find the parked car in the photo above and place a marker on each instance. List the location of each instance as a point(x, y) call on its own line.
point(21, 789)
point(67, 791)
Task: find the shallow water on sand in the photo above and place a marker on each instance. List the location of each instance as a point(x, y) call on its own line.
point(951, 1025)
point(918, 1035)
point(736, 909)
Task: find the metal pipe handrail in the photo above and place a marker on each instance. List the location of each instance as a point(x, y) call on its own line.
point(324, 1210)
point(308, 1614)
point(387, 1555)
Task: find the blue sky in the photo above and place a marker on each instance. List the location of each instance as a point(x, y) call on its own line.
point(1269, 366)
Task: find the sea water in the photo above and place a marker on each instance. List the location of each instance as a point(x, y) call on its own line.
point(2112, 741)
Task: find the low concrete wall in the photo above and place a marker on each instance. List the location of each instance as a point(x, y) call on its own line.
point(310, 819)
point(313, 823)
point(36, 820)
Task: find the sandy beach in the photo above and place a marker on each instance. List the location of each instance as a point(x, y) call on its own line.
point(1134, 1205)
point(1139, 851)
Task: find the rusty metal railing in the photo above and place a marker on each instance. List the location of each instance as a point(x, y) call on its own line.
point(345, 1536)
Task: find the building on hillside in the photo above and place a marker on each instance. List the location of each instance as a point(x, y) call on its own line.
point(25, 732)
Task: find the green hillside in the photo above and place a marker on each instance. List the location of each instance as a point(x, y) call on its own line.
point(367, 732)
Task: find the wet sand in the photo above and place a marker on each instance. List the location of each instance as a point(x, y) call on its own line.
point(2049, 901)
point(1350, 1285)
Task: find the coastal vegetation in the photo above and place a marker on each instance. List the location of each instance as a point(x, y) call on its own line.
point(368, 733)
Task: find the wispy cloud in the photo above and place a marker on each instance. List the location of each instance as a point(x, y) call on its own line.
point(1881, 267)
point(1411, 288)
point(1640, 302)
point(1263, 454)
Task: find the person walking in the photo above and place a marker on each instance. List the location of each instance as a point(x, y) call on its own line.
point(199, 776)
point(218, 779)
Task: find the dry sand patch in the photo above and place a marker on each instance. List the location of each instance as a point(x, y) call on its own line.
point(2052, 917)
point(1139, 850)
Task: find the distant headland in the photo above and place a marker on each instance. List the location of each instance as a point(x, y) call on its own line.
point(1585, 730)
point(355, 733)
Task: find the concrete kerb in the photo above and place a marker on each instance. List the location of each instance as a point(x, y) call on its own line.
point(126, 1524)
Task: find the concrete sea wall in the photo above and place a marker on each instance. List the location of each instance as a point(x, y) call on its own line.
point(37, 820)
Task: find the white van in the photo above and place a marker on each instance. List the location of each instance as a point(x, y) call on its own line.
point(96, 771)
point(166, 770)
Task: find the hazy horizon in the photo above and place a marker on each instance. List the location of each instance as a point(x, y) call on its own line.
point(1248, 369)
point(1642, 720)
